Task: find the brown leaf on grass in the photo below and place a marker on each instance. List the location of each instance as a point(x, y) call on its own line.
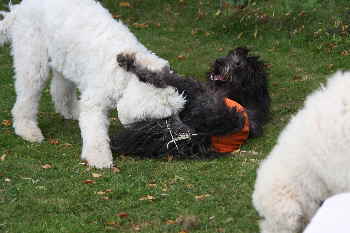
point(89, 181)
point(152, 185)
point(330, 66)
point(124, 4)
point(140, 25)
point(2, 158)
point(96, 175)
point(220, 49)
point(105, 198)
point(46, 166)
point(194, 31)
point(181, 57)
point(345, 53)
point(6, 123)
point(116, 16)
point(170, 222)
point(112, 223)
point(136, 227)
point(115, 170)
point(122, 215)
point(157, 25)
point(148, 197)
point(202, 197)
point(54, 141)
point(104, 192)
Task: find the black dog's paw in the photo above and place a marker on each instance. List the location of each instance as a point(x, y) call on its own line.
point(126, 60)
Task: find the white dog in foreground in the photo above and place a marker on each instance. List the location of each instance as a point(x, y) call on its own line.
point(310, 162)
point(78, 41)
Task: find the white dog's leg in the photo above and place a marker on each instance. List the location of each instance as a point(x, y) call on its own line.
point(64, 96)
point(93, 121)
point(31, 68)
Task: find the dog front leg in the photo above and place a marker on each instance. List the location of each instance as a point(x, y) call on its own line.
point(93, 121)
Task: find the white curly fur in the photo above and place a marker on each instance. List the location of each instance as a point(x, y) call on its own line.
point(310, 162)
point(78, 40)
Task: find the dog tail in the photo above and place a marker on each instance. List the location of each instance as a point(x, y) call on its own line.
point(6, 21)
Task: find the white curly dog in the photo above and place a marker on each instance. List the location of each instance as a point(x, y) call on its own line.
point(310, 162)
point(78, 41)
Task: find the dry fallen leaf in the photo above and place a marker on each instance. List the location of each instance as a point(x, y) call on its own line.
point(6, 123)
point(124, 4)
point(140, 25)
point(96, 175)
point(170, 222)
point(202, 197)
point(105, 198)
point(122, 215)
point(46, 166)
point(345, 53)
point(101, 193)
point(148, 197)
point(112, 223)
point(2, 158)
point(54, 141)
point(115, 170)
point(136, 227)
point(181, 57)
point(89, 181)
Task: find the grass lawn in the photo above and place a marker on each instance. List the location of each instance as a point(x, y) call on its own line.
point(44, 188)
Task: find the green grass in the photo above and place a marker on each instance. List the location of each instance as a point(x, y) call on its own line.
point(303, 46)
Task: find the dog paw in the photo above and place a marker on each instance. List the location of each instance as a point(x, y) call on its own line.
point(29, 131)
point(98, 159)
point(126, 60)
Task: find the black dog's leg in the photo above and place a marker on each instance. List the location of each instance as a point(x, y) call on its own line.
point(128, 62)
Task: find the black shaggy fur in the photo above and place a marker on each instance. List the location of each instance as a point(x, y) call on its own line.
point(204, 115)
point(244, 79)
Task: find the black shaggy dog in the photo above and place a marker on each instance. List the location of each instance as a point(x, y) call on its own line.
point(205, 114)
point(244, 79)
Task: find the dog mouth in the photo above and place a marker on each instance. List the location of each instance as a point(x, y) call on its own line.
point(217, 77)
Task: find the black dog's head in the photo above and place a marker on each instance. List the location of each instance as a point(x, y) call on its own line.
point(226, 68)
point(244, 79)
